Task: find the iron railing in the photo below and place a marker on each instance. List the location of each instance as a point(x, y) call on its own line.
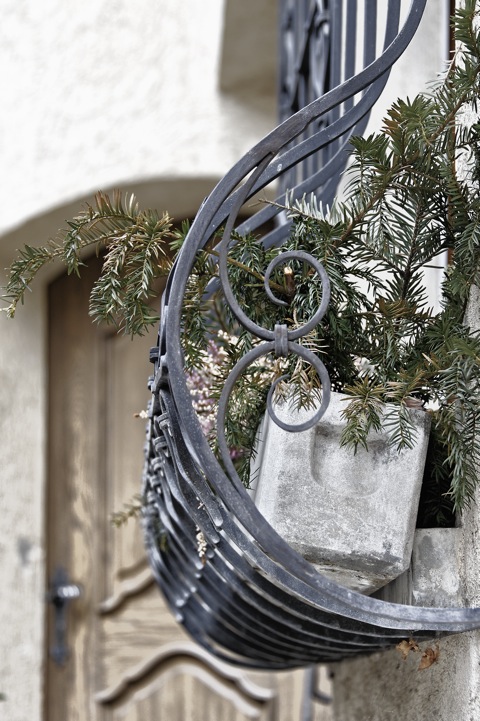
point(228, 577)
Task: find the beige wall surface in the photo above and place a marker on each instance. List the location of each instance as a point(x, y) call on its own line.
point(146, 96)
point(101, 93)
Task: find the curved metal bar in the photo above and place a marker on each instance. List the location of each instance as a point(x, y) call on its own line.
point(199, 615)
point(234, 583)
point(294, 155)
point(271, 144)
point(285, 568)
point(280, 137)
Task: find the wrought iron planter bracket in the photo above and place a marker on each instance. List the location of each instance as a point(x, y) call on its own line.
point(233, 582)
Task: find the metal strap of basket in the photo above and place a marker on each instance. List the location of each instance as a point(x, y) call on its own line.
point(228, 577)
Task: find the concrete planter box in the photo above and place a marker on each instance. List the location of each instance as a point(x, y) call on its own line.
point(434, 577)
point(352, 516)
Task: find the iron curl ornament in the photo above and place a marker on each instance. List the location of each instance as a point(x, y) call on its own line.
point(228, 577)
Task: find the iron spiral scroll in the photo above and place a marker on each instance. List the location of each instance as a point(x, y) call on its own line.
point(228, 577)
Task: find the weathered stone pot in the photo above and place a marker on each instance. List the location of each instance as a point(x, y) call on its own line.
point(352, 515)
point(436, 575)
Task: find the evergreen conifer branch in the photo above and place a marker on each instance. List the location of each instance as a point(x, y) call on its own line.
point(137, 253)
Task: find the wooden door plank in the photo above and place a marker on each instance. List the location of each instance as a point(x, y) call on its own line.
point(76, 433)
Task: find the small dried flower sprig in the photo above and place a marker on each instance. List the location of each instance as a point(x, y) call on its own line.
point(205, 382)
point(201, 545)
point(200, 383)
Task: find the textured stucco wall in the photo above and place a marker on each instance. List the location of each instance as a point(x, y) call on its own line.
point(22, 437)
point(100, 93)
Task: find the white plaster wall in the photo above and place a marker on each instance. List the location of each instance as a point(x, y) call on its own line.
point(22, 438)
point(102, 92)
point(421, 63)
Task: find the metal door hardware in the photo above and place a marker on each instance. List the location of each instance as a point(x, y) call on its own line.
point(60, 593)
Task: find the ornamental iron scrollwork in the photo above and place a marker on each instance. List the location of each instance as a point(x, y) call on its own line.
point(228, 577)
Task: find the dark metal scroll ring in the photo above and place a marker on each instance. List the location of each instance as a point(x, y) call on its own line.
point(252, 355)
point(318, 267)
point(324, 380)
point(281, 340)
point(223, 253)
point(248, 358)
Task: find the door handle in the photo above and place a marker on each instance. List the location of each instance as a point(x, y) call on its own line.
point(60, 593)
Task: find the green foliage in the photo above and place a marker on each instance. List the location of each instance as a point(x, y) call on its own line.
point(132, 509)
point(406, 205)
point(137, 252)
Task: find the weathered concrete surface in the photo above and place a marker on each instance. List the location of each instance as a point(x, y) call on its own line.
point(384, 687)
point(437, 559)
point(353, 516)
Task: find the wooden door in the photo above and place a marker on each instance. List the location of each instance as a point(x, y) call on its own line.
point(128, 659)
